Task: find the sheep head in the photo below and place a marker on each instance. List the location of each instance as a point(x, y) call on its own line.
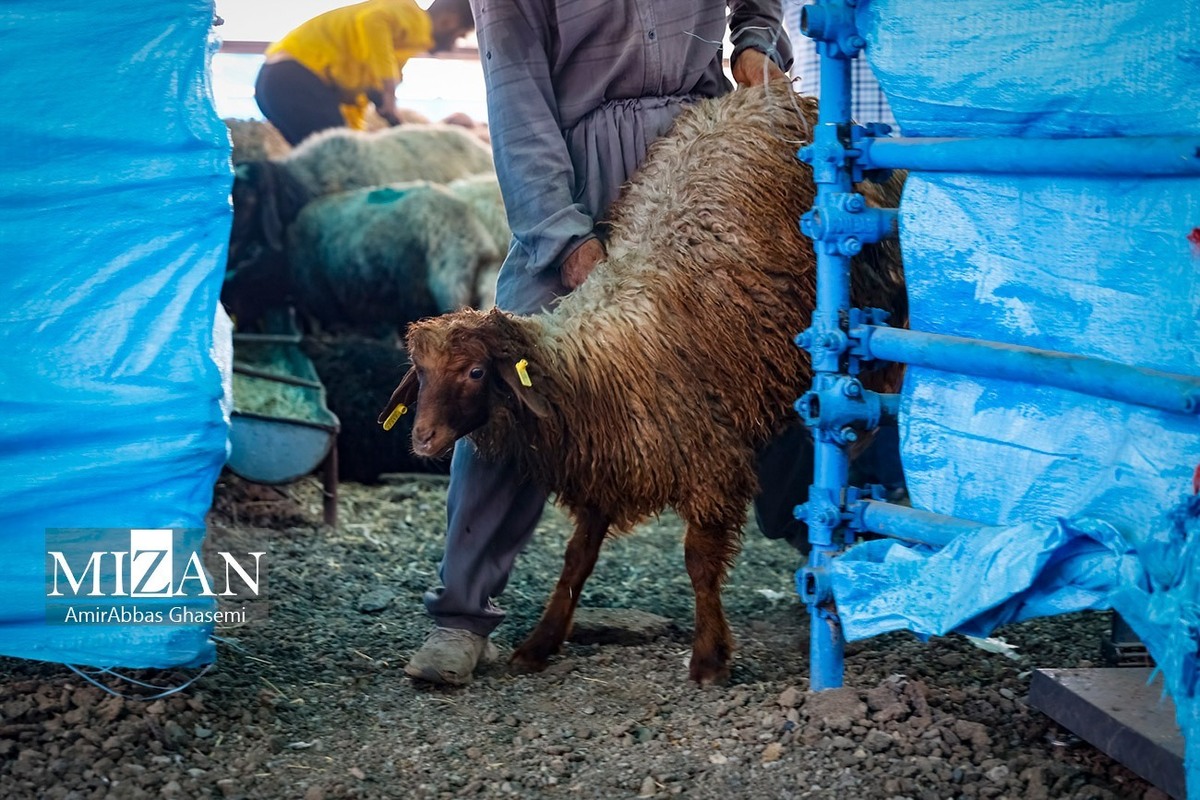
point(464, 369)
point(266, 199)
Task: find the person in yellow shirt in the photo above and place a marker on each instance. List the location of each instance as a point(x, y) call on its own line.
point(323, 73)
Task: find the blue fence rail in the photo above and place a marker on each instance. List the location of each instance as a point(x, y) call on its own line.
point(1141, 156)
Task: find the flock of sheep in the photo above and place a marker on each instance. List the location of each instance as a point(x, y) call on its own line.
point(362, 233)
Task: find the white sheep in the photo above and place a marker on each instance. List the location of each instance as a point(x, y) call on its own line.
point(341, 159)
point(254, 140)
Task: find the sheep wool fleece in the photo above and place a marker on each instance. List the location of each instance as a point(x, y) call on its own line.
point(577, 90)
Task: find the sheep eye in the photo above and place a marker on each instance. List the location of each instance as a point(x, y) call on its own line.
point(476, 373)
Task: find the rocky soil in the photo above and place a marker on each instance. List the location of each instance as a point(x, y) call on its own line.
point(311, 702)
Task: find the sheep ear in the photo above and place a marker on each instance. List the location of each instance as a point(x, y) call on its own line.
point(404, 396)
point(528, 395)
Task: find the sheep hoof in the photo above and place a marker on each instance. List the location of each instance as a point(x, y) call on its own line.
point(708, 672)
point(529, 659)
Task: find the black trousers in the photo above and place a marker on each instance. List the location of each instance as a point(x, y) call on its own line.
point(296, 100)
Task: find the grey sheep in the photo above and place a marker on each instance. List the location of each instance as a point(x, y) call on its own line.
point(654, 383)
point(372, 260)
point(269, 194)
point(482, 193)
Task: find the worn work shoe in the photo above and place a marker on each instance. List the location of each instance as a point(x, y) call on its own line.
point(450, 655)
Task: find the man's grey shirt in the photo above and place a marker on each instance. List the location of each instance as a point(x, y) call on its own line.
point(577, 89)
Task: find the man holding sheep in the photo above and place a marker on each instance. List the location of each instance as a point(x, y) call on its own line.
point(577, 90)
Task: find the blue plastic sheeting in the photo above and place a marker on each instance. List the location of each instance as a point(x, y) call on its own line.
point(1044, 68)
point(1088, 498)
point(114, 219)
point(1084, 266)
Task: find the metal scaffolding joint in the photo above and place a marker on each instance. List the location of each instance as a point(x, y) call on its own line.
point(842, 222)
point(831, 24)
point(841, 403)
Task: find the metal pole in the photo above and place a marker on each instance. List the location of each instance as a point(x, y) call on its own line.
point(329, 486)
point(1134, 156)
point(831, 23)
point(1092, 376)
point(911, 524)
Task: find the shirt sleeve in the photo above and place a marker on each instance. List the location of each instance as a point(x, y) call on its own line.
point(532, 162)
point(758, 25)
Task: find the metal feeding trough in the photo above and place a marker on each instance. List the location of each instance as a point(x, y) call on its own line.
point(281, 429)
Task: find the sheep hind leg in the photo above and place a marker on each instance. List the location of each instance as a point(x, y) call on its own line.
point(709, 551)
point(582, 551)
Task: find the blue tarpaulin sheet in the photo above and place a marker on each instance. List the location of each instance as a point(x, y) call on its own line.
point(114, 218)
point(1088, 501)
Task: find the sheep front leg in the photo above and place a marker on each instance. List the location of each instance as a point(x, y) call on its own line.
point(708, 553)
point(551, 631)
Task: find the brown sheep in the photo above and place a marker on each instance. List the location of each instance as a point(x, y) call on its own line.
point(653, 384)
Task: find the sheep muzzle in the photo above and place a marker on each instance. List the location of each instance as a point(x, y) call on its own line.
point(432, 441)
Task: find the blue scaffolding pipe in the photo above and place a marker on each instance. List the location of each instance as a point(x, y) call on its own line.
point(1092, 376)
point(831, 462)
point(911, 524)
point(1136, 156)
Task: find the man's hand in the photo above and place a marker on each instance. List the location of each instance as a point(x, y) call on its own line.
point(577, 266)
point(753, 68)
point(385, 102)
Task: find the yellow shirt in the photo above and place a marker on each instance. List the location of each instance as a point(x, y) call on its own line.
point(358, 47)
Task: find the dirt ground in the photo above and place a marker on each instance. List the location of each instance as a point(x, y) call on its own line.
point(312, 702)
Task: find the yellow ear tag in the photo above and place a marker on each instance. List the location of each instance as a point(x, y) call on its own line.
point(522, 373)
point(398, 412)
